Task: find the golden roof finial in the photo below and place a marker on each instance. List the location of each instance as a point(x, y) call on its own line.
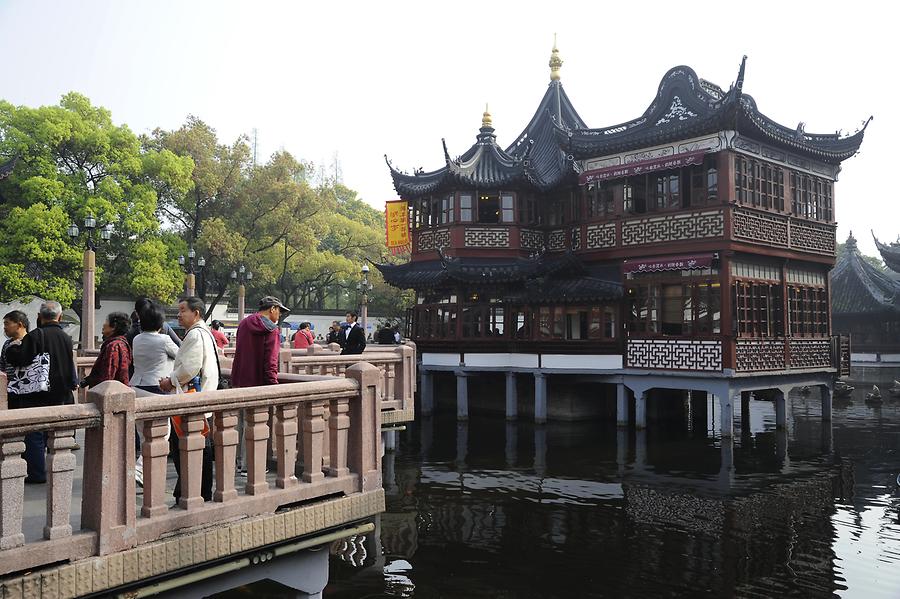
point(555, 62)
point(486, 117)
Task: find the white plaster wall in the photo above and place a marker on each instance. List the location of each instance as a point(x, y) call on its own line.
point(582, 362)
point(863, 357)
point(436, 359)
point(502, 360)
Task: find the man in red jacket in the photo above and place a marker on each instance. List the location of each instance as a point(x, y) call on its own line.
point(256, 354)
point(256, 349)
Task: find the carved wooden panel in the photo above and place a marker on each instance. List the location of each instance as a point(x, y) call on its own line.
point(556, 240)
point(483, 237)
point(675, 227)
point(529, 239)
point(576, 238)
point(674, 354)
point(441, 239)
point(426, 241)
point(601, 236)
point(758, 227)
point(812, 237)
point(810, 353)
point(759, 354)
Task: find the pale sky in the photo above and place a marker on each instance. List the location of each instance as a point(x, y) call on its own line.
point(367, 78)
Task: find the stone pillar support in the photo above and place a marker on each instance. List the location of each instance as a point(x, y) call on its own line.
point(60, 476)
point(512, 397)
point(365, 426)
point(641, 396)
point(462, 395)
point(427, 395)
point(225, 442)
point(827, 392)
point(540, 398)
point(726, 411)
point(621, 405)
point(12, 492)
point(780, 408)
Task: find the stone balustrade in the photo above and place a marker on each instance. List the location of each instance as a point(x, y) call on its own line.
point(126, 537)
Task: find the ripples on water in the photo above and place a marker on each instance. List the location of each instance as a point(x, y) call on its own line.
point(490, 509)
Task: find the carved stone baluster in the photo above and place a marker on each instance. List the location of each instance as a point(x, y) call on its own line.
point(256, 436)
point(191, 448)
point(313, 431)
point(308, 369)
point(326, 438)
point(225, 441)
point(286, 445)
point(155, 450)
point(389, 375)
point(323, 369)
point(60, 475)
point(12, 492)
point(339, 425)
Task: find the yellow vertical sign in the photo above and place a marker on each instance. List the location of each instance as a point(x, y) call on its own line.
point(397, 222)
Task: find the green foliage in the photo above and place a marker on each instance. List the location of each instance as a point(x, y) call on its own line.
point(165, 192)
point(74, 161)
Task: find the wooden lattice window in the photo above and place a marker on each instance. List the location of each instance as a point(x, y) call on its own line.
point(812, 197)
point(758, 184)
point(665, 305)
point(808, 311)
point(758, 309)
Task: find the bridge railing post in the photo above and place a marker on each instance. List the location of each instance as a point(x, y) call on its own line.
point(405, 376)
point(365, 426)
point(107, 502)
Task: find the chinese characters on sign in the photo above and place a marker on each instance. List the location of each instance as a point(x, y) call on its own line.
point(638, 168)
point(668, 263)
point(396, 218)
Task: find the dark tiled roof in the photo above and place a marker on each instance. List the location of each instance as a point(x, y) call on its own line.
point(534, 160)
point(7, 167)
point(597, 283)
point(889, 253)
point(857, 287)
point(687, 106)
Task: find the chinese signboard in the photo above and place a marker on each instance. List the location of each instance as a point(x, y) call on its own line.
point(668, 263)
point(396, 218)
point(644, 166)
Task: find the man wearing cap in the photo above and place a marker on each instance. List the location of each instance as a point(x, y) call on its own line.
point(256, 349)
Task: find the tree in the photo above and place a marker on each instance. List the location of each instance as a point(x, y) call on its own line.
point(75, 161)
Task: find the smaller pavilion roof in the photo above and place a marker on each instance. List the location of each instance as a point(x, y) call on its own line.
point(857, 287)
point(890, 253)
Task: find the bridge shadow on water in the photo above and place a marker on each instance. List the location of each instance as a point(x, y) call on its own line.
point(489, 508)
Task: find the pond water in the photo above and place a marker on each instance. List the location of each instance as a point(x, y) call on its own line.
point(493, 509)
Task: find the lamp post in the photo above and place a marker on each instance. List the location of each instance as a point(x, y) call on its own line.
point(88, 275)
point(190, 280)
point(241, 275)
point(365, 287)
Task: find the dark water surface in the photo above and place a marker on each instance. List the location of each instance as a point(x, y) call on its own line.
point(490, 509)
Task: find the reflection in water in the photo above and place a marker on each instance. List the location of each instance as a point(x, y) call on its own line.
point(495, 509)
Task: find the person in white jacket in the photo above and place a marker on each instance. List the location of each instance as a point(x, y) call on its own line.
point(153, 356)
point(196, 359)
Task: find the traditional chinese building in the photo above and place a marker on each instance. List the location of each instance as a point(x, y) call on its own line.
point(865, 304)
point(688, 248)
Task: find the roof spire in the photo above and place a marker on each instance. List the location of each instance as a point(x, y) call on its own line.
point(486, 117)
point(555, 62)
point(740, 78)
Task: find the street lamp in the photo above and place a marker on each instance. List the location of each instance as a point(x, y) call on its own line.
point(88, 275)
point(240, 276)
point(365, 287)
point(189, 278)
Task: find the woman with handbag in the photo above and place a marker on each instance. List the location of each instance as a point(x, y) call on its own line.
point(15, 327)
point(44, 360)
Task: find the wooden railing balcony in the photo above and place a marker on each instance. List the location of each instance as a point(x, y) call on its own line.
point(332, 467)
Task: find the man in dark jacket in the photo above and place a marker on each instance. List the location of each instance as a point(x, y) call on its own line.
point(356, 338)
point(50, 338)
point(256, 349)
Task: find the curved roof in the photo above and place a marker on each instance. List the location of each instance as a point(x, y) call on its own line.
point(889, 253)
point(688, 106)
point(857, 287)
point(534, 160)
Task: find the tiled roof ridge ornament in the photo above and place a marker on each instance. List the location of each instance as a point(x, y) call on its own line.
point(850, 244)
point(486, 120)
point(556, 62)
